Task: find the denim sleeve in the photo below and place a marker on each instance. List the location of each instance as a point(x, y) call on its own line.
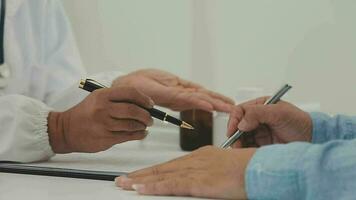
point(327, 128)
point(303, 171)
point(323, 170)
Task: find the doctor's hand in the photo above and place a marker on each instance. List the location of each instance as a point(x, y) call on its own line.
point(173, 92)
point(269, 124)
point(104, 118)
point(208, 172)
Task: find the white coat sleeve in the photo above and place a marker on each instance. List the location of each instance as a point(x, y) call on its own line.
point(62, 63)
point(23, 120)
point(23, 135)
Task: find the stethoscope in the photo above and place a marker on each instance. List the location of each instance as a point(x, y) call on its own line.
point(5, 71)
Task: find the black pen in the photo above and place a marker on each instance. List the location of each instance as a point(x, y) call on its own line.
point(90, 85)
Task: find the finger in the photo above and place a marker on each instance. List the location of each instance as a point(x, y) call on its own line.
point(258, 101)
point(129, 94)
point(120, 137)
point(218, 96)
point(256, 115)
point(156, 170)
point(126, 183)
point(234, 119)
point(114, 124)
point(217, 104)
point(172, 165)
point(209, 94)
point(189, 84)
point(130, 111)
point(174, 186)
point(188, 101)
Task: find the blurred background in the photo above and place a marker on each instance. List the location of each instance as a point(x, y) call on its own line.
point(231, 46)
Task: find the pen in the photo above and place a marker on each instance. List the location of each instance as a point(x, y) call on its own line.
point(90, 85)
point(273, 100)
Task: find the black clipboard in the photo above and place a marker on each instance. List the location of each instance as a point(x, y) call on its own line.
point(58, 172)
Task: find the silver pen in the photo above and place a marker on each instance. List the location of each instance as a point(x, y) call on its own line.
point(273, 100)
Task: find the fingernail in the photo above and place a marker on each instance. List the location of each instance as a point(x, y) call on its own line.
point(120, 181)
point(117, 181)
point(242, 125)
point(140, 188)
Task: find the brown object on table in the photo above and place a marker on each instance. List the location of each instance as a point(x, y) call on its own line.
point(202, 135)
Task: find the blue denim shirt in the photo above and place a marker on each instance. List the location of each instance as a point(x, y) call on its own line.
point(323, 169)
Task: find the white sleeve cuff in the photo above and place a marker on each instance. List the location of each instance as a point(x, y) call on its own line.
point(23, 134)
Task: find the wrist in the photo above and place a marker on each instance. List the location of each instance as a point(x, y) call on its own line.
point(245, 155)
point(56, 132)
point(308, 127)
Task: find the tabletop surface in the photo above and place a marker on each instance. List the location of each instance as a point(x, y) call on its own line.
point(159, 146)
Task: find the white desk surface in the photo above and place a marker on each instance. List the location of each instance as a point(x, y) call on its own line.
point(158, 147)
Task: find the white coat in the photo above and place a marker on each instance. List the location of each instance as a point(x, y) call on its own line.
point(45, 69)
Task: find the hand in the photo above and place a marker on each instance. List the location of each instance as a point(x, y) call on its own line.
point(269, 124)
point(173, 92)
point(106, 117)
point(208, 172)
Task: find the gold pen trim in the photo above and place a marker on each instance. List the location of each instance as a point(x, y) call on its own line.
point(82, 83)
point(186, 125)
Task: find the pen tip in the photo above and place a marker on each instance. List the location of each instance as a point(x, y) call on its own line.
point(187, 126)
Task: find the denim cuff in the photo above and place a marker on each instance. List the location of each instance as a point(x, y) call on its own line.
point(273, 172)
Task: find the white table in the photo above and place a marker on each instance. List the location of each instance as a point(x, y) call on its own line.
point(159, 146)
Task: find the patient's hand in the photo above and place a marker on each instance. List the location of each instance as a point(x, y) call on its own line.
point(269, 124)
point(173, 92)
point(208, 172)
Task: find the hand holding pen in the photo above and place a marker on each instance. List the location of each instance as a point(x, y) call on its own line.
point(92, 85)
point(236, 135)
point(104, 118)
point(272, 124)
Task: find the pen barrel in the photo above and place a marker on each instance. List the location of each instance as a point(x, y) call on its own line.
point(90, 87)
point(156, 113)
point(164, 116)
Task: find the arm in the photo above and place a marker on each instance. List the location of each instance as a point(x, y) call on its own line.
point(327, 128)
point(284, 123)
point(303, 171)
point(23, 135)
point(31, 132)
point(283, 171)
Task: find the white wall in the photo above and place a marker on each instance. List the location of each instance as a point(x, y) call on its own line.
point(226, 44)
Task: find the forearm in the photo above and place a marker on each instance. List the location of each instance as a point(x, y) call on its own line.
point(327, 128)
point(303, 171)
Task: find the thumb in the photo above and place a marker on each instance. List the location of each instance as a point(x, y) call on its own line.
point(255, 116)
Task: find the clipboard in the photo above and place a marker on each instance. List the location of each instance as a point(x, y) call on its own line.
point(59, 172)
